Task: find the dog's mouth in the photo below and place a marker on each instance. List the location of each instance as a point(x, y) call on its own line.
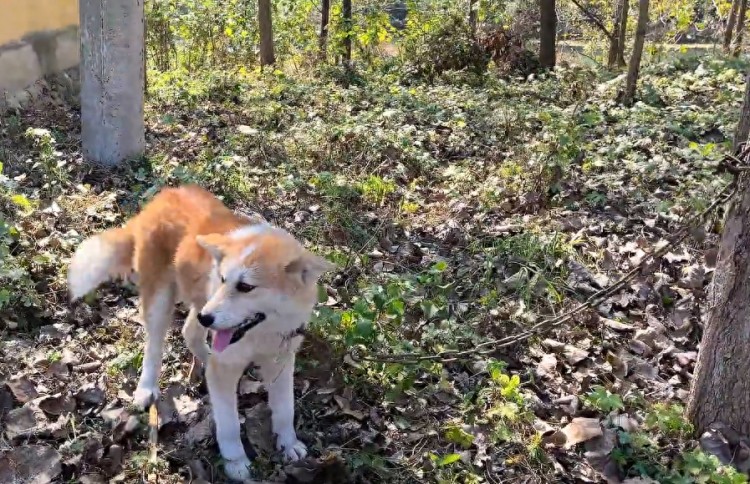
point(225, 337)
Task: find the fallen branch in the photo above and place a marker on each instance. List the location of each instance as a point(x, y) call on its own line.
point(544, 326)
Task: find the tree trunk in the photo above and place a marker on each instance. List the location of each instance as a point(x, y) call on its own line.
point(743, 127)
point(729, 31)
point(112, 80)
point(635, 59)
point(547, 33)
point(473, 16)
point(265, 25)
point(323, 39)
point(615, 48)
point(623, 33)
point(721, 389)
point(347, 16)
point(740, 28)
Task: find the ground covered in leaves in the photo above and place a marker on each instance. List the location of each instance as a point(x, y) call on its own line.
point(458, 213)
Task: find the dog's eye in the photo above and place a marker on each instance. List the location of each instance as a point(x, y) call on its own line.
point(222, 279)
point(244, 287)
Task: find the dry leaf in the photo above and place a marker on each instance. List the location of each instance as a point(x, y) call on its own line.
point(23, 389)
point(248, 386)
point(90, 394)
point(199, 431)
point(574, 354)
point(616, 325)
point(547, 366)
point(258, 429)
point(30, 464)
point(581, 430)
point(57, 404)
point(625, 422)
point(25, 421)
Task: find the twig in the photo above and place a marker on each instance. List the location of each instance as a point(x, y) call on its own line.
point(153, 440)
point(593, 19)
point(544, 326)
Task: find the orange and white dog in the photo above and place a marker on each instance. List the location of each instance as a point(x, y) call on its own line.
point(252, 285)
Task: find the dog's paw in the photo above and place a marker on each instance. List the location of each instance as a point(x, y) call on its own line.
point(238, 469)
point(143, 397)
point(292, 449)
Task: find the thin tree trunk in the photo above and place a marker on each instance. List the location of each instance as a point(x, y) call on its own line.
point(347, 15)
point(323, 39)
point(743, 127)
point(265, 25)
point(729, 31)
point(547, 33)
point(614, 40)
point(623, 33)
point(112, 80)
point(635, 59)
point(740, 28)
point(473, 16)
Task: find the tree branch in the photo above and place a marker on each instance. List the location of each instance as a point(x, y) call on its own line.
point(594, 19)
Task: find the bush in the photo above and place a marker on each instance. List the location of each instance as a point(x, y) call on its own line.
point(448, 46)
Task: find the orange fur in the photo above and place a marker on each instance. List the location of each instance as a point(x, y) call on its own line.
point(160, 244)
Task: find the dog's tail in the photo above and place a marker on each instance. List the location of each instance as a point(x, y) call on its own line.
point(100, 258)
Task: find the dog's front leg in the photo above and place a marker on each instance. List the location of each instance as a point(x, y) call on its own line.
point(222, 388)
point(278, 378)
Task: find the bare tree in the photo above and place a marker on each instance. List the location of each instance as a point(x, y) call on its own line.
point(346, 12)
point(721, 389)
point(547, 33)
point(265, 25)
point(473, 5)
point(616, 54)
point(112, 80)
point(623, 32)
point(325, 15)
point(743, 127)
point(731, 20)
point(616, 36)
point(740, 28)
point(635, 59)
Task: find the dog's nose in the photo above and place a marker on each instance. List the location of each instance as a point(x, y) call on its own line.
point(206, 320)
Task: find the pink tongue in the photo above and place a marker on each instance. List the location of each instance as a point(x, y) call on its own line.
point(222, 338)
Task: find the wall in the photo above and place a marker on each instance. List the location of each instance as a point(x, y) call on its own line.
point(38, 38)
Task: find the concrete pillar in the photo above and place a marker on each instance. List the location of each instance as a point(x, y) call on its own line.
point(112, 53)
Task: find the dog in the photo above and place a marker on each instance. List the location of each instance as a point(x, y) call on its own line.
point(251, 285)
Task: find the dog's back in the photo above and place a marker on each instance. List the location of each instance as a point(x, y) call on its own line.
point(150, 243)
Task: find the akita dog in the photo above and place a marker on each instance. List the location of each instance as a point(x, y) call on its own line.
point(252, 285)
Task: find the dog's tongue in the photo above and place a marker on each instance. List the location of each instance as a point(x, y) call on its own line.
point(222, 338)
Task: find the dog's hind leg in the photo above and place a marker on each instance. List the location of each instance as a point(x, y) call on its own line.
point(222, 387)
point(195, 340)
point(157, 309)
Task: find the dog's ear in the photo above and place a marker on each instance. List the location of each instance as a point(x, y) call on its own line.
point(213, 243)
point(309, 267)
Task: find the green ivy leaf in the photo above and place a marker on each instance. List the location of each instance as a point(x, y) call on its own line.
point(448, 460)
point(456, 435)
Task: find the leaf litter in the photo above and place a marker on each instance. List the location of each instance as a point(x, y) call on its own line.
point(485, 249)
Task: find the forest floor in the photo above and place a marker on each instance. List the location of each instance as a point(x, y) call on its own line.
point(457, 214)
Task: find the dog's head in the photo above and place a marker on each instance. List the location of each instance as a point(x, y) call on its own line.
point(265, 279)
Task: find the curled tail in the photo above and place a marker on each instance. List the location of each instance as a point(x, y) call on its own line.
point(98, 259)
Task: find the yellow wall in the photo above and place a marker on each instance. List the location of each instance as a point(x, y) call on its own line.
point(23, 17)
